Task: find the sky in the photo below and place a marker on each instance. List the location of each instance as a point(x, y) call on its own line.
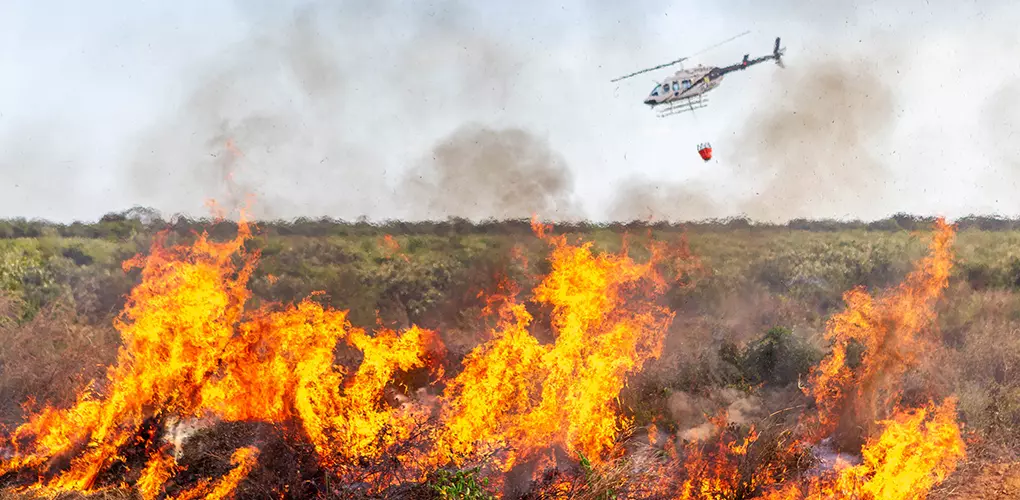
point(506, 109)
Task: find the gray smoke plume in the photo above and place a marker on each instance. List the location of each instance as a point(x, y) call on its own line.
point(301, 119)
point(264, 120)
point(478, 172)
point(1001, 120)
point(320, 109)
point(38, 169)
point(815, 152)
point(808, 154)
point(690, 412)
point(649, 201)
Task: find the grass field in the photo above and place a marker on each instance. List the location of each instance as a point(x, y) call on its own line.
point(750, 312)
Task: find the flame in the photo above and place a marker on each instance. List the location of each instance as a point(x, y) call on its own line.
point(191, 350)
point(714, 471)
point(243, 461)
point(232, 148)
point(905, 451)
point(891, 329)
point(228, 163)
point(912, 455)
point(174, 326)
point(160, 468)
point(392, 249)
point(517, 394)
point(916, 451)
point(916, 448)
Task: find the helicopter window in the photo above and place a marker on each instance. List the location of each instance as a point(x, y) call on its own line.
point(676, 86)
point(687, 84)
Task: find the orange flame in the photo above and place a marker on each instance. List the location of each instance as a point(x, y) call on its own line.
point(160, 468)
point(188, 351)
point(890, 330)
point(916, 448)
point(515, 393)
point(243, 460)
point(916, 451)
point(191, 350)
point(392, 248)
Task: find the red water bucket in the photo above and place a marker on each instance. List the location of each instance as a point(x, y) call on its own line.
point(705, 150)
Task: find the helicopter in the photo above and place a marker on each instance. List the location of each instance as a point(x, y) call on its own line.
point(685, 90)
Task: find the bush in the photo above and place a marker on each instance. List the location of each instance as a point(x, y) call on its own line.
point(778, 359)
point(461, 484)
point(59, 286)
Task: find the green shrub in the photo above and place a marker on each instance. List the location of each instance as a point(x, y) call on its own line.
point(777, 359)
point(461, 484)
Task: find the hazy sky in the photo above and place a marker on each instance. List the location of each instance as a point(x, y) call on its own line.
point(500, 108)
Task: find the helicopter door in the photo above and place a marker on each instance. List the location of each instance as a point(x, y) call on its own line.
point(676, 88)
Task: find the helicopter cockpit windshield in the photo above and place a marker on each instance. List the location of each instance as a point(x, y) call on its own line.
point(655, 91)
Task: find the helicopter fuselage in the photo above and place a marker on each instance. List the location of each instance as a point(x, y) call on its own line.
point(684, 84)
point(695, 82)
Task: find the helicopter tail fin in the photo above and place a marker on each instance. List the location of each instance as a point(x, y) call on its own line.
point(777, 53)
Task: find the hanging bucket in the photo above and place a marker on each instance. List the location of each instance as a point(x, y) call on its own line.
point(705, 150)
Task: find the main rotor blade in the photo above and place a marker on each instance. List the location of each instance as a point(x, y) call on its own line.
point(728, 40)
point(682, 59)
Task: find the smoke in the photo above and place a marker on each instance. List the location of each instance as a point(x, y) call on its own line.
point(646, 200)
point(690, 412)
point(1001, 121)
point(39, 169)
point(303, 119)
point(817, 151)
point(868, 119)
point(328, 105)
point(478, 172)
point(265, 119)
point(812, 152)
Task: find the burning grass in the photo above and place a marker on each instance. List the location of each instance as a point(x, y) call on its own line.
point(212, 398)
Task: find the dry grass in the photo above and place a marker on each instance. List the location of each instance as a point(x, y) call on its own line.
point(113, 494)
point(50, 357)
point(757, 283)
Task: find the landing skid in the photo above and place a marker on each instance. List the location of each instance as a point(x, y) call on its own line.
point(682, 106)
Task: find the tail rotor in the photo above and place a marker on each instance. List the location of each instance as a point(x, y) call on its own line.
point(777, 53)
